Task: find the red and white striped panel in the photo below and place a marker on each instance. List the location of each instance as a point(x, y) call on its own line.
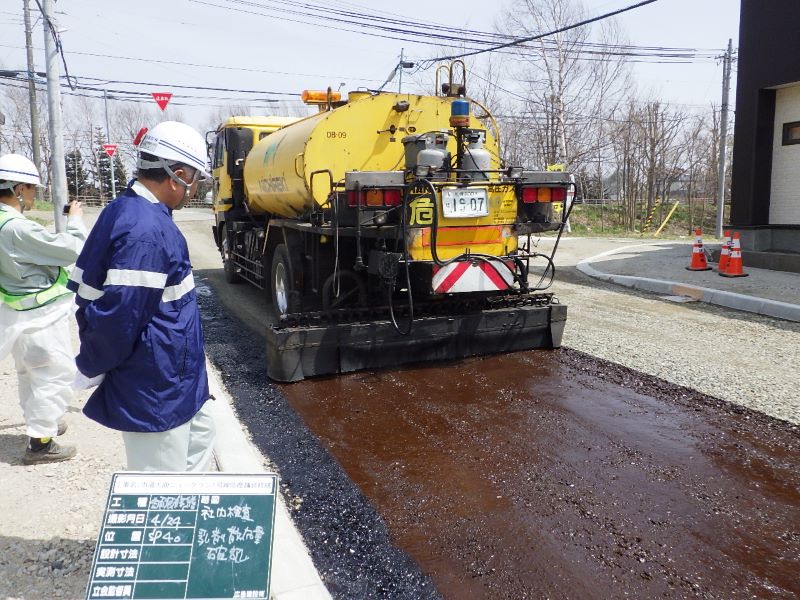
point(472, 276)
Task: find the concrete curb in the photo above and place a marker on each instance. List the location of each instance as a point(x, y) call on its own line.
point(294, 576)
point(761, 306)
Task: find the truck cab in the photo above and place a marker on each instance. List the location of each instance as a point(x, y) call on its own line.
point(233, 140)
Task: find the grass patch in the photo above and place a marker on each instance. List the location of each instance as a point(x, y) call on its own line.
point(594, 220)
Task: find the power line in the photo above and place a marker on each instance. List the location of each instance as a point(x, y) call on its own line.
point(549, 33)
point(430, 34)
point(204, 66)
point(410, 27)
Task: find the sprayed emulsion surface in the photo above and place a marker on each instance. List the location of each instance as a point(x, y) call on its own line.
point(554, 474)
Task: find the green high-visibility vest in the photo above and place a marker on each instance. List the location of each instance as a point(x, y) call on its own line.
point(34, 299)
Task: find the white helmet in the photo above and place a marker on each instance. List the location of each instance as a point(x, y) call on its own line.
point(16, 169)
point(175, 143)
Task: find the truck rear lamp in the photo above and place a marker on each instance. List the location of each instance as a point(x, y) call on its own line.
point(375, 197)
point(531, 195)
point(352, 198)
point(392, 197)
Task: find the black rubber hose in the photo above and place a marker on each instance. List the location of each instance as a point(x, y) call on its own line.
point(390, 288)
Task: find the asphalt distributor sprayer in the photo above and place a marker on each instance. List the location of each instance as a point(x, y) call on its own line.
point(386, 230)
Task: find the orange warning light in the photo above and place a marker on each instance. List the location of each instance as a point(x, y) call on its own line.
point(319, 96)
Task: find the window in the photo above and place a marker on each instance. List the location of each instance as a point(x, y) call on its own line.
point(791, 133)
point(219, 150)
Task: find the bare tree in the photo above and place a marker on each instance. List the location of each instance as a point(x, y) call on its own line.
point(571, 82)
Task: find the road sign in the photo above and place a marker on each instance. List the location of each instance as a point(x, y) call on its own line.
point(162, 99)
point(181, 535)
point(110, 149)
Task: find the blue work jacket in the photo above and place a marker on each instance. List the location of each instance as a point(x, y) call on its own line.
point(138, 319)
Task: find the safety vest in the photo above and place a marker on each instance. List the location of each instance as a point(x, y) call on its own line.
point(34, 299)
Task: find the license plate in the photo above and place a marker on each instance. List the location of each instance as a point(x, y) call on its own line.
point(464, 202)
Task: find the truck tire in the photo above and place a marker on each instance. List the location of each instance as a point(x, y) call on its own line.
point(283, 283)
point(228, 266)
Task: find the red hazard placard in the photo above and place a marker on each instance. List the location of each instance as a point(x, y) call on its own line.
point(110, 149)
point(162, 99)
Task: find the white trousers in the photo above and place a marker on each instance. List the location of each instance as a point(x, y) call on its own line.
point(188, 447)
point(41, 344)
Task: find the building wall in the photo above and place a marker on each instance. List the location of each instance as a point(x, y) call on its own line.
point(784, 205)
point(768, 49)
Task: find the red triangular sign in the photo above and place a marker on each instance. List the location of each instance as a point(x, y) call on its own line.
point(110, 149)
point(162, 99)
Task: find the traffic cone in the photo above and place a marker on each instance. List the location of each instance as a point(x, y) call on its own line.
point(698, 262)
point(725, 253)
point(735, 266)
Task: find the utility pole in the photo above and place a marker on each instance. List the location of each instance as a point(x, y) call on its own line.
point(400, 81)
point(110, 158)
point(36, 141)
point(58, 172)
point(727, 59)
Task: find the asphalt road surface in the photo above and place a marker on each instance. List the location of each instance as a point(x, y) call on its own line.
point(542, 474)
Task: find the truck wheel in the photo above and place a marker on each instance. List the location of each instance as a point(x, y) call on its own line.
point(285, 295)
point(228, 266)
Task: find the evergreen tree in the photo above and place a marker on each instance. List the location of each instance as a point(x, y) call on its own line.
point(77, 178)
point(120, 175)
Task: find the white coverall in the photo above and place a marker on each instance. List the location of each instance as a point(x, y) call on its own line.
point(39, 339)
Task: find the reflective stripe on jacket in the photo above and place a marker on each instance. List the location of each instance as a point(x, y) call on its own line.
point(37, 299)
point(138, 318)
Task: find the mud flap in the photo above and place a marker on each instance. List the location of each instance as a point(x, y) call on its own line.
point(294, 353)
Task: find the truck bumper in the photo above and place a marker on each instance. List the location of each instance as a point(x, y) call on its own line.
point(294, 353)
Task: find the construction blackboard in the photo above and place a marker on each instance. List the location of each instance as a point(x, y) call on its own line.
point(181, 535)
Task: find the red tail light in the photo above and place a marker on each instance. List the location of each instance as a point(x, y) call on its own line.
point(392, 197)
point(375, 197)
point(531, 195)
point(352, 198)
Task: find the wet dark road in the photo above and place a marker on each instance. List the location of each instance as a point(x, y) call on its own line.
point(556, 475)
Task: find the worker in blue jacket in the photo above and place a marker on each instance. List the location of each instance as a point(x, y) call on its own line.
point(138, 320)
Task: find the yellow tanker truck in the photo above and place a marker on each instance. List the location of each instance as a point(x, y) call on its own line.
point(385, 229)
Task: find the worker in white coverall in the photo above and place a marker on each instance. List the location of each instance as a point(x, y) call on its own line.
point(36, 308)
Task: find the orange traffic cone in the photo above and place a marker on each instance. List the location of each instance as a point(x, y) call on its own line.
point(725, 253)
point(698, 262)
point(735, 266)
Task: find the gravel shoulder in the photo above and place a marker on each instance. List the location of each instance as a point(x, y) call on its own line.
point(745, 359)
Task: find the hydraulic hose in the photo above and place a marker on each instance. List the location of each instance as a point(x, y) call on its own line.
point(390, 288)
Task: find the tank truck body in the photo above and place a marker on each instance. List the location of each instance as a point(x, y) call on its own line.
point(385, 230)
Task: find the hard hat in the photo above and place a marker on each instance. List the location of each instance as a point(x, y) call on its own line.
point(15, 169)
point(176, 143)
